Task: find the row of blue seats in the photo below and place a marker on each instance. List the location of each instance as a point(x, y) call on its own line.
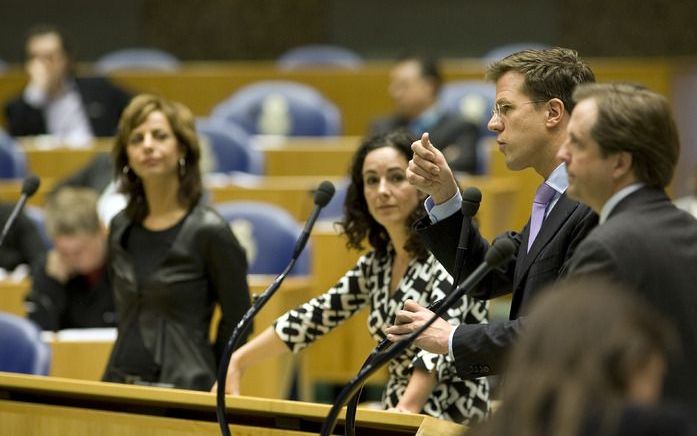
point(282, 108)
point(311, 55)
point(267, 232)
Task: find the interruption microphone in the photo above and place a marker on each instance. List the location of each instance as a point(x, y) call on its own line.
point(500, 252)
point(323, 195)
point(471, 199)
point(29, 188)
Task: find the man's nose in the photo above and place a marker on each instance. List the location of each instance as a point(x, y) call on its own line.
point(495, 124)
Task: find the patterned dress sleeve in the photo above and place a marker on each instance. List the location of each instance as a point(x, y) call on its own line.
point(299, 327)
point(466, 311)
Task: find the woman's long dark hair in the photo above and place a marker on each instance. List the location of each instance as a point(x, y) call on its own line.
point(358, 223)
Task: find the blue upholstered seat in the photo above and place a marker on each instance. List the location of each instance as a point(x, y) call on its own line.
point(319, 55)
point(21, 347)
point(280, 108)
point(268, 233)
point(471, 99)
point(230, 147)
point(136, 59)
point(12, 160)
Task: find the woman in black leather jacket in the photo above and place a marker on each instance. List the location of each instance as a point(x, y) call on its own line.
point(171, 258)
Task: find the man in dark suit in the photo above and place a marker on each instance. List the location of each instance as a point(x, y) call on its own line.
point(55, 102)
point(414, 86)
point(621, 153)
point(533, 107)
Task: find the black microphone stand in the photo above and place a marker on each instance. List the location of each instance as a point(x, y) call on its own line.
point(322, 196)
point(501, 251)
point(29, 188)
point(471, 198)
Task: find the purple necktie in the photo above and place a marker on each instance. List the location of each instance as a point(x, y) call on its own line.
point(543, 196)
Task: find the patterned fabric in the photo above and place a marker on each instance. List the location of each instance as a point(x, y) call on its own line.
point(367, 284)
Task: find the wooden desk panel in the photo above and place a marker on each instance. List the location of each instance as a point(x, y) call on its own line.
point(33, 405)
point(292, 193)
point(309, 156)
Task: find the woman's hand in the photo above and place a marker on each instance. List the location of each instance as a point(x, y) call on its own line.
point(233, 379)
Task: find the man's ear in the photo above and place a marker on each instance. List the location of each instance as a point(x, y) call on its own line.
point(623, 165)
point(555, 112)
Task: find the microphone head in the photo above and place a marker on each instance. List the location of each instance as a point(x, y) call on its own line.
point(324, 193)
point(471, 197)
point(30, 185)
point(500, 252)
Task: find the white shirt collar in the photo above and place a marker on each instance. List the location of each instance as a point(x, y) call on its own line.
point(613, 201)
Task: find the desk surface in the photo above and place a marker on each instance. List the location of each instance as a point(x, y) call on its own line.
point(124, 407)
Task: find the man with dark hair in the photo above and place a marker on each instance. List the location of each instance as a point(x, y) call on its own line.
point(621, 153)
point(55, 102)
point(533, 107)
point(414, 86)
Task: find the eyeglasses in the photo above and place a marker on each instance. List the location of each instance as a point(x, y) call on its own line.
point(501, 110)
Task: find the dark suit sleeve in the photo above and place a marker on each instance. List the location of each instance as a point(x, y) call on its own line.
point(480, 349)
point(46, 301)
point(31, 245)
point(24, 119)
point(227, 270)
point(103, 103)
point(442, 239)
point(97, 175)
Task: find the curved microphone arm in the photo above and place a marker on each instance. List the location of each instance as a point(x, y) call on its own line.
point(322, 196)
point(29, 188)
point(500, 252)
point(240, 330)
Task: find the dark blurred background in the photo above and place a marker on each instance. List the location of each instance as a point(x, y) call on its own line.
point(263, 29)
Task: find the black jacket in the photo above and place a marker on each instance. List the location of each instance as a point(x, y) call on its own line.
point(103, 103)
point(650, 246)
point(23, 243)
point(173, 307)
point(479, 349)
point(77, 303)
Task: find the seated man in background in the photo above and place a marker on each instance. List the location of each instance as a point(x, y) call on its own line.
point(55, 102)
point(414, 86)
point(23, 244)
point(70, 287)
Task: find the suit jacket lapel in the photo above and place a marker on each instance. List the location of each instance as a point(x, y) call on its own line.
point(550, 226)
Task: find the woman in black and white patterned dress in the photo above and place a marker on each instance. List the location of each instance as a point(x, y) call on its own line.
point(381, 205)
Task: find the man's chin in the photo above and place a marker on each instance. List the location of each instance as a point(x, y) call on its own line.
point(573, 194)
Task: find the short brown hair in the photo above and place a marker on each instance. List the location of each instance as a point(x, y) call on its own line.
point(181, 120)
point(549, 73)
point(71, 211)
point(634, 119)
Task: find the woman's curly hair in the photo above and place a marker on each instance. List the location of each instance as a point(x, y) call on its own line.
point(358, 223)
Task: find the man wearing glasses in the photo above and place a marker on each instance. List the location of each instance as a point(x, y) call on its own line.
point(533, 107)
